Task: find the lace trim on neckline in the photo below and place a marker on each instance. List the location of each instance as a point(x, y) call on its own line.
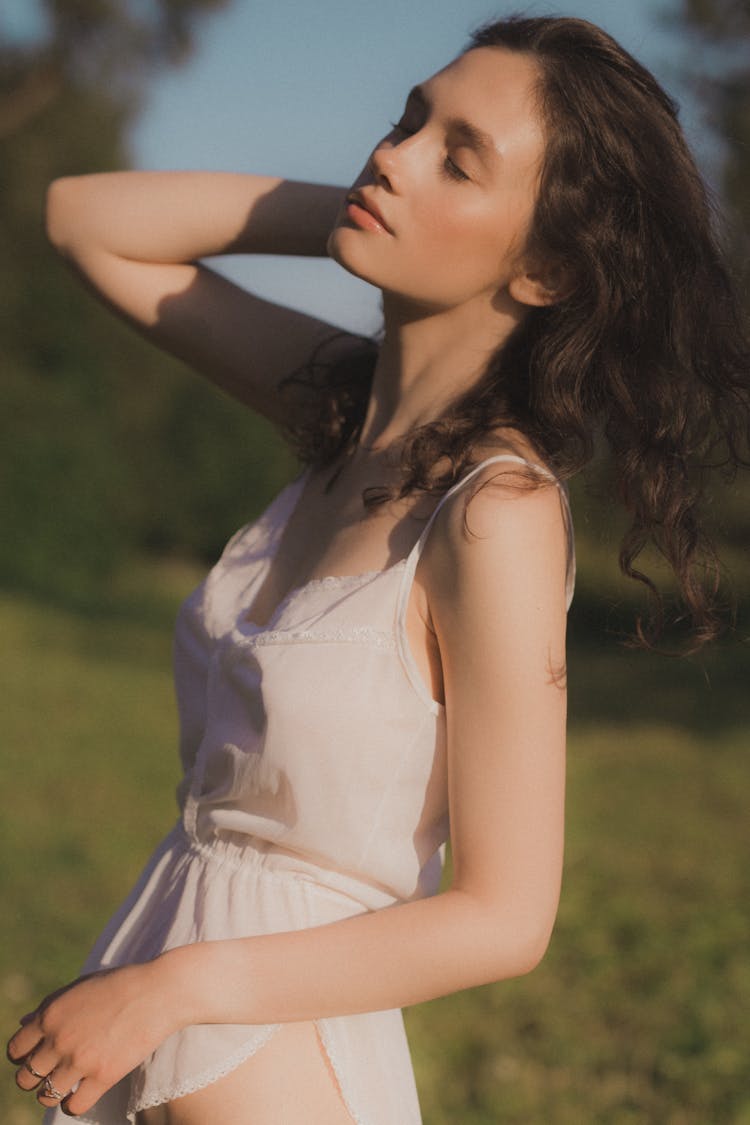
point(252, 629)
point(356, 634)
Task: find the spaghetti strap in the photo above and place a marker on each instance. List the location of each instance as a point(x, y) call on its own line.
point(415, 554)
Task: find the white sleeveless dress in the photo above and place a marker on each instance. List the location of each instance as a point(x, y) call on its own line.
point(314, 789)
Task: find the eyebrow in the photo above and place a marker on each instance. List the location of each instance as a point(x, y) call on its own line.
point(482, 143)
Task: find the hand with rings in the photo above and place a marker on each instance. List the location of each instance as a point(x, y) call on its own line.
point(47, 1089)
point(84, 1038)
point(30, 1068)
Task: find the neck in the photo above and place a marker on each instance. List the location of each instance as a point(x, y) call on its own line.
point(428, 359)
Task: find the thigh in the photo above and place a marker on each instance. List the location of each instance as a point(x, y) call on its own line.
point(289, 1079)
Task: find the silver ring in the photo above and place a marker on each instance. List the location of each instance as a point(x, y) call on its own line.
point(29, 1067)
point(50, 1091)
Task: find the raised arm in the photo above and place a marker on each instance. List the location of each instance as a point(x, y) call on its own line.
point(136, 238)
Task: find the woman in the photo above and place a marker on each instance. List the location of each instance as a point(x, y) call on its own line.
point(386, 644)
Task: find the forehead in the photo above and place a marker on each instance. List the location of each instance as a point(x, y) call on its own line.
point(495, 89)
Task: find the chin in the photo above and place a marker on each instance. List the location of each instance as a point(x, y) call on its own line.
point(344, 253)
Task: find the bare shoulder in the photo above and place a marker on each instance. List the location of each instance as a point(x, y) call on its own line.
point(501, 542)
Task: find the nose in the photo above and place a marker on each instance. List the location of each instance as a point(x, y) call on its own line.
point(383, 164)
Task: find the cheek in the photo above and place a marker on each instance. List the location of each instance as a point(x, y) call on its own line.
point(446, 252)
point(469, 249)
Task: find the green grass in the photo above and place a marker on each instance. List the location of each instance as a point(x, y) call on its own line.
point(640, 1012)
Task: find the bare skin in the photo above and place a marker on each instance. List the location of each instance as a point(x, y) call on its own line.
point(486, 617)
point(290, 1080)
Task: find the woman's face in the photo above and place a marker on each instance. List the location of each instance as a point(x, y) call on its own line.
point(439, 215)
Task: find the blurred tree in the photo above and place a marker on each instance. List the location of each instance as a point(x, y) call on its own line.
point(101, 453)
point(723, 26)
point(722, 78)
point(94, 45)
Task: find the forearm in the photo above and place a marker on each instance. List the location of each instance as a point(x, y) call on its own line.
point(174, 217)
point(391, 958)
point(136, 240)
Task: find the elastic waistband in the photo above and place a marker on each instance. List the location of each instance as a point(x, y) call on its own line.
point(251, 855)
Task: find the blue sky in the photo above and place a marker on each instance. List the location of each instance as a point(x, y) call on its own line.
point(302, 88)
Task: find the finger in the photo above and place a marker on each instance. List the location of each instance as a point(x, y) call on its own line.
point(41, 1062)
point(25, 1080)
point(62, 1080)
point(23, 1042)
point(86, 1094)
point(32, 1068)
point(53, 1091)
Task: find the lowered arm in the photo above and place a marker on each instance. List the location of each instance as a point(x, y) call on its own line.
point(497, 600)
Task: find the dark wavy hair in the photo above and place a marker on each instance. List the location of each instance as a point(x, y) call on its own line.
point(645, 351)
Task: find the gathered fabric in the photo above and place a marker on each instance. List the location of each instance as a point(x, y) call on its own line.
point(314, 788)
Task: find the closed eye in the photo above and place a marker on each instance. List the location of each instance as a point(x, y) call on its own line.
point(450, 169)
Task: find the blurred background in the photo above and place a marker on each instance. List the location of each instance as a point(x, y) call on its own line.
point(122, 475)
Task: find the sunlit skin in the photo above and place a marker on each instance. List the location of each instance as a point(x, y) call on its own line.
point(455, 181)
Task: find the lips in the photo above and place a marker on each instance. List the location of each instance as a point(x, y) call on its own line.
point(357, 202)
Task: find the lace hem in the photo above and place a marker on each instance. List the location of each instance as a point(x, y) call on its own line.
point(208, 1076)
point(325, 1040)
point(229, 1064)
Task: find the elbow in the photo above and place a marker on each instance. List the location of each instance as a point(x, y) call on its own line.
point(517, 945)
point(530, 951)
point(505, 936)
point(60, 212)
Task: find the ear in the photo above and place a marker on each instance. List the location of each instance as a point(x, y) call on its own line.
point(540, 287)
